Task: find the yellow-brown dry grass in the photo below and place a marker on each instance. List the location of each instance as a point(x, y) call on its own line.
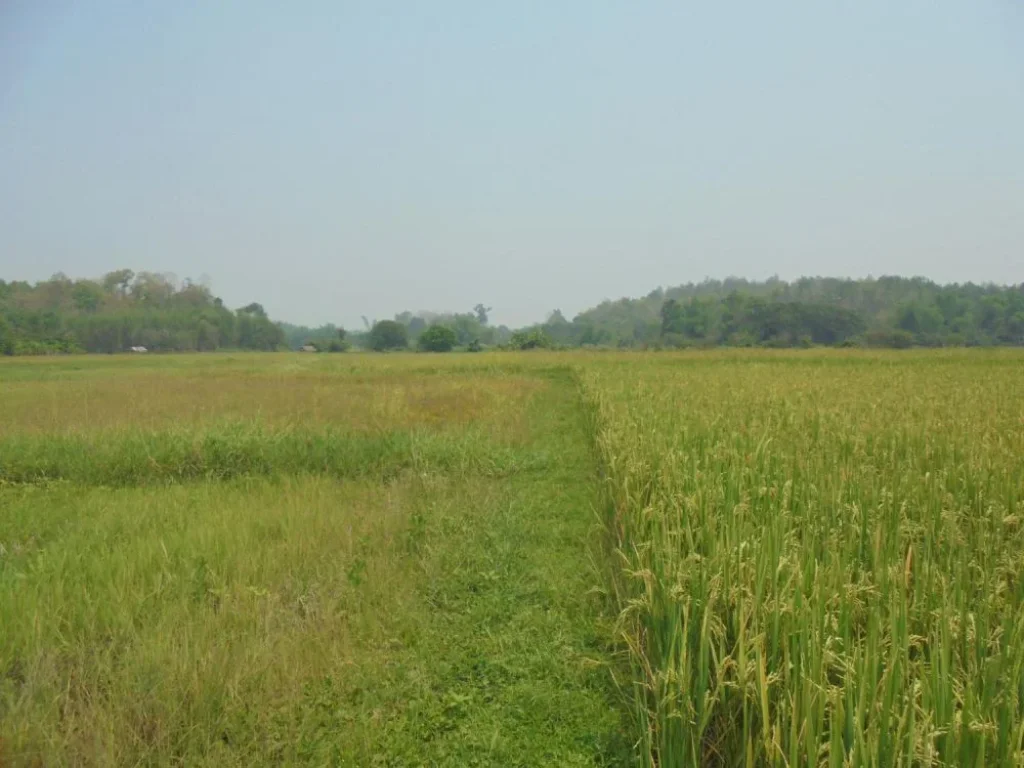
point(153, 400)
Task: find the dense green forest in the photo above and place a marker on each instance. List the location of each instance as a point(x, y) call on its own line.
point(123, 309)
point(887, 311)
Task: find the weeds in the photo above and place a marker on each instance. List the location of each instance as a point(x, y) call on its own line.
point(131, 457)
point(375, 561)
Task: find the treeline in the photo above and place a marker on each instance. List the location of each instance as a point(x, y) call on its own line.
point(426, 331)
point(887, 311)
point(469, 329)
point(124, 310)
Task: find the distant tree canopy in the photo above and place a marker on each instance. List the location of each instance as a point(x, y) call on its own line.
point(326, 338)
point(437, 338)
point(124, 309)
point(531, 339)
point(388, 334)
point(337, 342)
point(471, 328)
point(751, 320)
point(481, 313)
point(887, 311)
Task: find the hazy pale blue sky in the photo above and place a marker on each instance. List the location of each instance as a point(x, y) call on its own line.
point(334, 159)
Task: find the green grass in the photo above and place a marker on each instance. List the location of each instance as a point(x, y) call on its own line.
point(135, 457)
point(239, 598)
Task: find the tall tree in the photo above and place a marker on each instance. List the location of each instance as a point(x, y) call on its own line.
point(118, 280)
point(388, 334)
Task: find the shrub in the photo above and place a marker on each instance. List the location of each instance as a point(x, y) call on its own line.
point(437, 338)
point(535, 339)
point(388, 334)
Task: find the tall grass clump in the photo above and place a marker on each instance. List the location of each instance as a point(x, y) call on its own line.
point(139, 457)
point(820, 558)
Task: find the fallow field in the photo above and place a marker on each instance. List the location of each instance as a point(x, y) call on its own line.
point(780, 558)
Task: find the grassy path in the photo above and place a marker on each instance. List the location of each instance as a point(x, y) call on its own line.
point(505, 669)
point(439, 615)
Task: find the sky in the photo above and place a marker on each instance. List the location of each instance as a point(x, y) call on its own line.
point(336, 159)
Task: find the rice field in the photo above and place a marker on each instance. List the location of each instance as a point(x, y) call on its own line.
point(757, 558)
point(820, 557)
